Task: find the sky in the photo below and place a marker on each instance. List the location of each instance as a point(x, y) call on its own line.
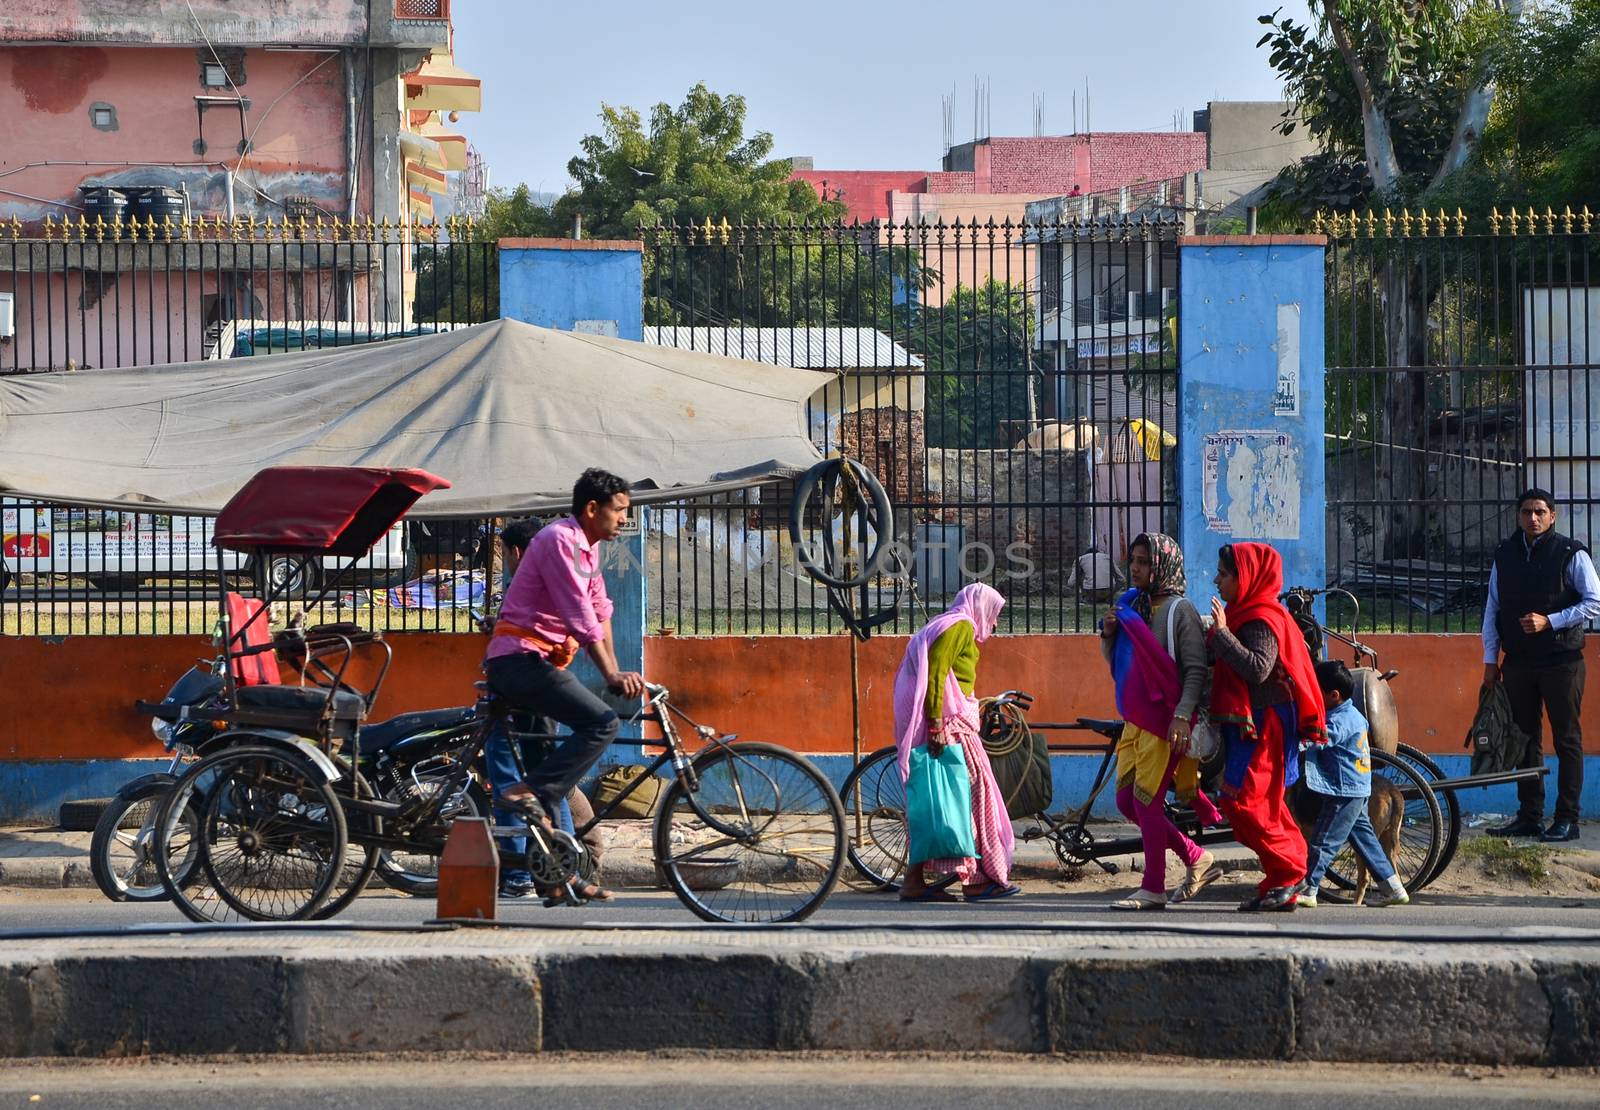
point(854, 85)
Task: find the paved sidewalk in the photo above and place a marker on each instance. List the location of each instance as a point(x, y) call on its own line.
point(31, 856)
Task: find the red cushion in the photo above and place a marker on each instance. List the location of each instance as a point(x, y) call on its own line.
point(261, 668)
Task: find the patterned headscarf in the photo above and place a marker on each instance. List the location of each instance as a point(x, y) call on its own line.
point(1166, 570)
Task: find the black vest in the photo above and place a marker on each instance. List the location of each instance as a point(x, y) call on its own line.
point(1536, 582)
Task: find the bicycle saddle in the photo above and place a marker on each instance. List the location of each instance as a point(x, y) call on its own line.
point(1111, 730)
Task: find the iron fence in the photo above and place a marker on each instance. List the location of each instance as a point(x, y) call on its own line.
point(82, 294)
point(1013, 382)
point(1462, 355)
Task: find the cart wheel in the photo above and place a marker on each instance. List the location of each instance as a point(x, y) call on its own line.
point(761, 839)
point(1421, 833)
point(271, 833)
point(1449, 806)
point(360, 855)
point(875, 819)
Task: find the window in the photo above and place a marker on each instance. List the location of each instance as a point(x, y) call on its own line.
point(104, 117)
point(1050, 276)
point(214, 76)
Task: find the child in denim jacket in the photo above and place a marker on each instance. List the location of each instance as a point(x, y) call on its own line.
point(1341, 772)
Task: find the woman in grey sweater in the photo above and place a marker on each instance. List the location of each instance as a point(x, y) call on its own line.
point(1149, 763)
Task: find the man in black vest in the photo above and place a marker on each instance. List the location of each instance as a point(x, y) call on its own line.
point(1542, 591)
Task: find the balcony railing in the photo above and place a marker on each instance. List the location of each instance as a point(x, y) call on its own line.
point(422, 9)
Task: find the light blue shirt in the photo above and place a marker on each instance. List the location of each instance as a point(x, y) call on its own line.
point(1581, 579)
point(1343, 766)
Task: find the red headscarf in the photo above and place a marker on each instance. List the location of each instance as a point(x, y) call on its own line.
point(1260, 572)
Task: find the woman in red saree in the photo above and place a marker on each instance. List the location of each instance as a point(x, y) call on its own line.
point(1266, 699)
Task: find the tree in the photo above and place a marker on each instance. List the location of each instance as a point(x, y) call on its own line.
point(977, 351)
point(693, 163)
point(1398, 93)
point(1541, 147)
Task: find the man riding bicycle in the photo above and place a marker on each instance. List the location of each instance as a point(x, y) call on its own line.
point(556, 603)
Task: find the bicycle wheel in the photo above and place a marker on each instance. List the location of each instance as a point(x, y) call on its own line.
point(416, 871)
point(1421, 832)
point(874, 800)
point(271, 836)
point(773, 847)
point(360, 854)
point(1449, 807)
point(120, 854)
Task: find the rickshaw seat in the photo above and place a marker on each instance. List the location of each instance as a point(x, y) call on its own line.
point(348, 708)
point(257, 668)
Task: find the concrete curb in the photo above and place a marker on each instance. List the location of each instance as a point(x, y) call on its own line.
point(52, 872)
point(597, 994)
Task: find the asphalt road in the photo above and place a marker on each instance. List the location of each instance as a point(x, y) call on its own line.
point(80, 908)
point(714, 1082)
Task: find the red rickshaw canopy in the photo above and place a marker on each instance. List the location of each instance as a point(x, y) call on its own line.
point(320, 510)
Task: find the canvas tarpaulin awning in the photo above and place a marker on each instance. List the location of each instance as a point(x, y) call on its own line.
point(510, 413)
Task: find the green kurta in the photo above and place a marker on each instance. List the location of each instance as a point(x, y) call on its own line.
point(955, 650)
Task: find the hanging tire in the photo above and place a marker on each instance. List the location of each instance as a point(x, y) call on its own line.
point(819, 481)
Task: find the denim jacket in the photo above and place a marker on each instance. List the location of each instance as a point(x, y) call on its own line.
point(1342, 767)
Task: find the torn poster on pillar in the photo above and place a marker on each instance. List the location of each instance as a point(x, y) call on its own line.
point(1251, 484)
point(1286, 397)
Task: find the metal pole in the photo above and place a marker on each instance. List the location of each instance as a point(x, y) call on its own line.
point(850, 500)
point(1250, 220)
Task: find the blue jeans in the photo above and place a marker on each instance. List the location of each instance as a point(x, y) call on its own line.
point(1341, 820)
point(502, 767)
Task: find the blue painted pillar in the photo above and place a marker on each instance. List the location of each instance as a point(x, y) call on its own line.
point(594, 286)
point(1250, 342)
point(587, 285)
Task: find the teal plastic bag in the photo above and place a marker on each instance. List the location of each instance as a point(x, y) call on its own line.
point(939, 806)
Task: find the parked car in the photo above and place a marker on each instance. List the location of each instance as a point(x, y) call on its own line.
point(118, 548)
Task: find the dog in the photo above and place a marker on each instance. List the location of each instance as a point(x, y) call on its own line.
point(1386, 809)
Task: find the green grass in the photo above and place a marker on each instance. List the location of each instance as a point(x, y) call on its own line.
point(89, 618)
point(1507, 859)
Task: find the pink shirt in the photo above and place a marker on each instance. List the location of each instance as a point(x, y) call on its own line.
point(557, 592)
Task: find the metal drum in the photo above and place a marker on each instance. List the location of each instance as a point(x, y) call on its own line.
point(1376, 702)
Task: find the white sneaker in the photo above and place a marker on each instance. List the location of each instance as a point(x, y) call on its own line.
point(1141, 899)
point(1389, 898)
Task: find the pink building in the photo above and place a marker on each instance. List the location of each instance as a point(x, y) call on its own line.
point(993, 181)
point(254, 111)
point(1032, 168)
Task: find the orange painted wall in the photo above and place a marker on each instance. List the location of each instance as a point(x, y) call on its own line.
point(797, 689)
point(72, 698)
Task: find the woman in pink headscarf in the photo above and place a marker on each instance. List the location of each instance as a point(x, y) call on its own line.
point(934, 705)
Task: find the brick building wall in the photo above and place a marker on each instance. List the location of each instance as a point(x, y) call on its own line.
point(958, 181)
point(1127, 159)
point(890, 442)
point(1050, 165)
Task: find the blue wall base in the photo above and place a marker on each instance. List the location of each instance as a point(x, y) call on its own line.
point(31, 793)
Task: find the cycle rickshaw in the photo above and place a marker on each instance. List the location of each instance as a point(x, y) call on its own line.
point(276, 821)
